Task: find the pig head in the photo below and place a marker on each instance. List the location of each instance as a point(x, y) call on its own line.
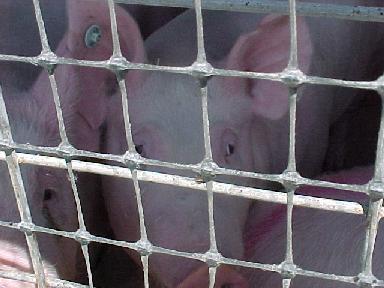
point(50, 199)
point(323, 241)
point(167, 125)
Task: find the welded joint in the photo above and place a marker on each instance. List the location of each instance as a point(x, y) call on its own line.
point(144, 247)
point(376, 190)
point(5, 147)
point(292, 77)
point(207, 171)
point(202, 71)
point(380, 85)
point(132, 160)
point(48, 61)
point(82, 236)
point(365, 281)
point(213, 259)
point(27, 227)
point(119, 65)
point(290, 179)
point(288, 270)
point(66, 151)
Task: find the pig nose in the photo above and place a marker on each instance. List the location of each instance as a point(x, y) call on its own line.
point(226, 277)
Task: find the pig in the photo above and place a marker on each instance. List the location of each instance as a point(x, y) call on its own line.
point(248, 118)
point(50, 199)
point(248, 123)
point(323, 241)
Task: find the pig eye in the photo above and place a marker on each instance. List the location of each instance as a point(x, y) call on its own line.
point(230, 149)
point(92, 36)
point(140, 149)
point(228, 142)
point(48, 194)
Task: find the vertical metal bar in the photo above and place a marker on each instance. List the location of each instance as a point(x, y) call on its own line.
point(202, 59)
point(21, 197)
point(40, 24)
point(131, 148)
point(80, 217)
point(289, 250)
point(286, 283)
point(5, 128)
point(379, 162)
point(373, 216)
point(128, 135)
point(127, 123)
point(292, 130)
point(144, 260)
point(212, 276)
point(25, 216)
point(293, 64)
point(201, 55)
point(207, 136)
point(115, 35)
point(59, 111)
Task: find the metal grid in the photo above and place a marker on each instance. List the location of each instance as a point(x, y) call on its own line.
point(65, 154)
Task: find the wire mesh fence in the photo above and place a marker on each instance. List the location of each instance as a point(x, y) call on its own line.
point(67, 157)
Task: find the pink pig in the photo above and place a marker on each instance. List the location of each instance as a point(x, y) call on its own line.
point(323, 241)
point(248, 118)
point(50, 199)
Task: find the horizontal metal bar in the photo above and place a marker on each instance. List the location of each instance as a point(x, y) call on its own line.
point(186, 182)
point(30, 278)
point(22, 276)
point(357, 13)
point(192, 71)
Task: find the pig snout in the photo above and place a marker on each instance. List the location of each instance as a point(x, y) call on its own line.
point(226, 277)
point(16, 259)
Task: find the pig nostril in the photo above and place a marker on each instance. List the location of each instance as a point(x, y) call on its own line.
point(48, 194)
point(139, 149)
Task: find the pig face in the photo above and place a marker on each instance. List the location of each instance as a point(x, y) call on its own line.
point(175, 134)
point(52, 206)
point(50, 199)
point(166, 116)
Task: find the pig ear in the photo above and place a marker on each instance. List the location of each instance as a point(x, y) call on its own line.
point(267, 50)
point(89, 37)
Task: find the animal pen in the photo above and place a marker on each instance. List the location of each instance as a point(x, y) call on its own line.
point(73, 160)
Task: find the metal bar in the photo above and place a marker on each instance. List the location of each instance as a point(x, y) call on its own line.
point(193, 70)
point(218, 187)
point(348, 12)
